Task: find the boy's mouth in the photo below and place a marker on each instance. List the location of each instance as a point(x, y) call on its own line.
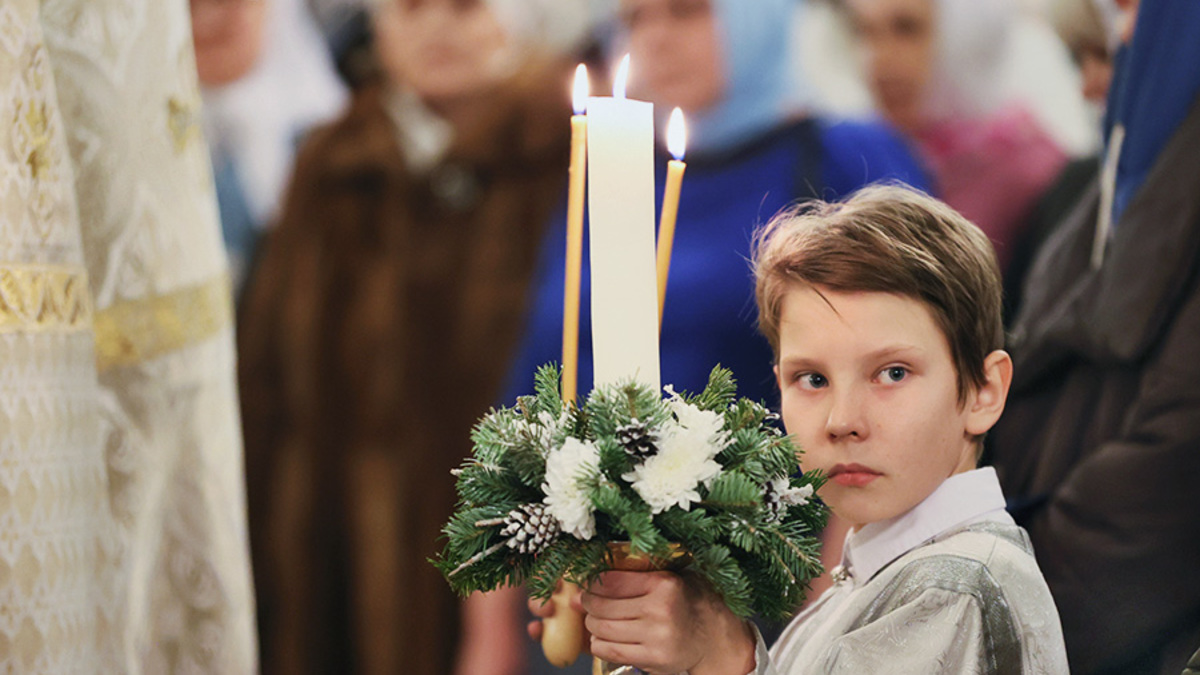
point(852, 475)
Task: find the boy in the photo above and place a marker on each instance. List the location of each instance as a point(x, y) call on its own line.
point(884, 315)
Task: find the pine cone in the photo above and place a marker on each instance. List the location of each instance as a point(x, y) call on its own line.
point(530, 528)
point(638, 439)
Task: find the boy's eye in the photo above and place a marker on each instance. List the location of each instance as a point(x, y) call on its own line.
point(812, 380)
point(893, 374)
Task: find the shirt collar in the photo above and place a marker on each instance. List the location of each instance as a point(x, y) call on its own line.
point(960, 499)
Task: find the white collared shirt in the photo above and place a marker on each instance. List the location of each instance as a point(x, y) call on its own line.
point(962, 499)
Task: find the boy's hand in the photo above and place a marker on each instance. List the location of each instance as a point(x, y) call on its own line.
point(661, 624)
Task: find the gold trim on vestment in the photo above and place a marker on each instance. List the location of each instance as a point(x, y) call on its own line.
point(134, 331)
point(43, 298)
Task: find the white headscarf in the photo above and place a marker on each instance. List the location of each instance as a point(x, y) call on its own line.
point(992, 53)
point(973, 42)
point(259, 118)
point(558, 26)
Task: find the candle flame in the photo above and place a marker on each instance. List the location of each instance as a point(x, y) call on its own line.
point(580, 94)
point(622, 80)
point(676, 134)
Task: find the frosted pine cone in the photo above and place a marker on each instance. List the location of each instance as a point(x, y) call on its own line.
point(530, 528)
point(638, 439)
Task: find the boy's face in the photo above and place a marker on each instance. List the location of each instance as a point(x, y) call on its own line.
point(869, 392)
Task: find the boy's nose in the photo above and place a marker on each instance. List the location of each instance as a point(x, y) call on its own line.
point(846, 418)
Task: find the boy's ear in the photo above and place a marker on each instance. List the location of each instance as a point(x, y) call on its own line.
point(987, 402)
point(777, 382)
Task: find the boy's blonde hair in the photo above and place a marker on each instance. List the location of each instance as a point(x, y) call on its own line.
point(889, 239)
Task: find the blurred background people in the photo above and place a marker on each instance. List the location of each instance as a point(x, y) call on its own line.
point(379, 327)
point(1037, 70)
point(1098, 445)
point(266, 78)
point(934, 69)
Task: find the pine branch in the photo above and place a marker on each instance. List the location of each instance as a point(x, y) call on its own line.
point(547, 382)
point(721, 570)
point(734, 491)
point(476, 558)
point(720, 392)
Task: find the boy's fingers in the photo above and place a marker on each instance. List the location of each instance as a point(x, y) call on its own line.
point(643, 656)
point(622, 631)
point(629, 584)
point(534, 629)
point(614, 609)
point(614, 652)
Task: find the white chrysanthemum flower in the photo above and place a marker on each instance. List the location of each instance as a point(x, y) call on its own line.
point(673, 476)
point(705, 424)
point(569, 470)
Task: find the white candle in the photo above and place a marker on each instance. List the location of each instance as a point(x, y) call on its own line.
point(621, 210)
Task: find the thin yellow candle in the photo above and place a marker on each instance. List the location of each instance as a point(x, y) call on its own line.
point(575, 202)
point(676, 143)
point(562, 636)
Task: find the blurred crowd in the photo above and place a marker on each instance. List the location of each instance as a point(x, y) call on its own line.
point(391, 178)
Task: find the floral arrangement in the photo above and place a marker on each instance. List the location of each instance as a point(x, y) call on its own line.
point(549, 487)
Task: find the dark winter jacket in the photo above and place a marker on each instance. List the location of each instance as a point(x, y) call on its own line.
point(1099, 448)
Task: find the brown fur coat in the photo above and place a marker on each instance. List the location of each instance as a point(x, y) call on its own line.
point(378, 327)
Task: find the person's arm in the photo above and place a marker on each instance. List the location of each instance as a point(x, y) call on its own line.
point(491, 642)
point(1118, 540)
